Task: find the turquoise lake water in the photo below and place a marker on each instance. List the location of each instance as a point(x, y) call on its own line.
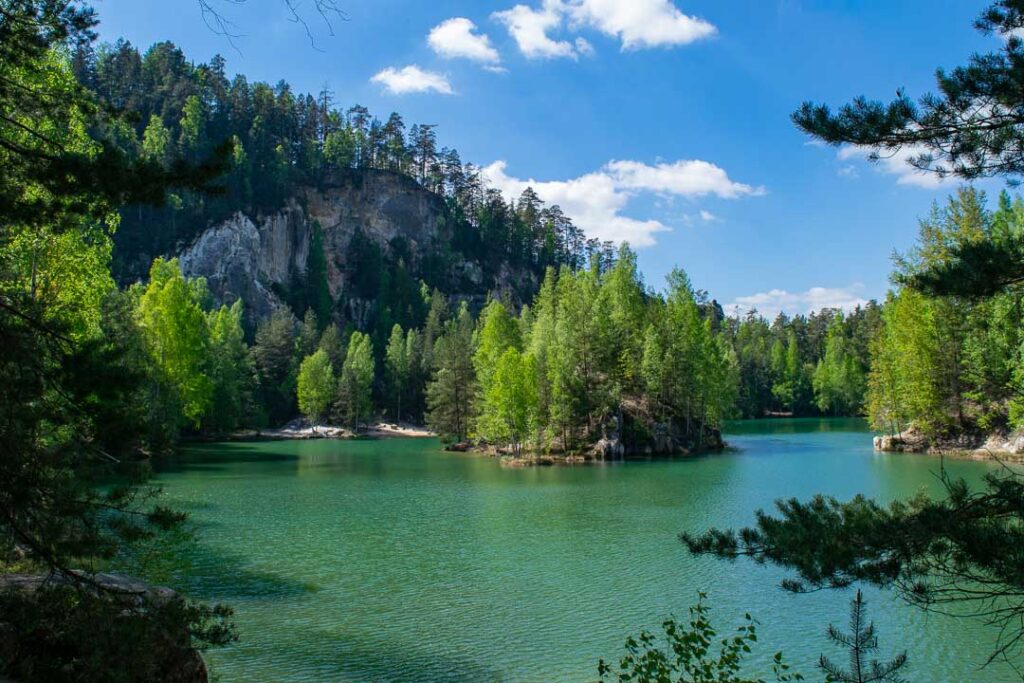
point(395, 561)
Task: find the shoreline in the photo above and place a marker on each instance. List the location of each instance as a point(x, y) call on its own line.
point(993, 447)
point(377, 430)
point(591, 457)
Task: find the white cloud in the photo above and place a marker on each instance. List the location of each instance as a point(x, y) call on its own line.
point(584, 47)
point(412, 79)
point(897, 164)
point(455, 38)
point(769, 304)
point(689, 178)
point(848, 171)
point(709, 217)
point(529, 28)
point(640, 23)
point(637, 24)
point(596, 201)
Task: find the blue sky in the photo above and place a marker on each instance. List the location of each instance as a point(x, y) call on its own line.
point(665, 122)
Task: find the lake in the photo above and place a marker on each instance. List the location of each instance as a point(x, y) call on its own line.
point(395, 561)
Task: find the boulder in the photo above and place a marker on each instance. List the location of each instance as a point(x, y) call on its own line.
point(609, 448)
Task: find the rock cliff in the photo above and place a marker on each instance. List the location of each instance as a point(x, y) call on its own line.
point(257, 257)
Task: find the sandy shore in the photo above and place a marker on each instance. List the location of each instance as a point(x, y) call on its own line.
point(377, 430)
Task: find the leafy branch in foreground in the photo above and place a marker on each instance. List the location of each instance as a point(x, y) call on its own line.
point(962, 554)
point(689, 655)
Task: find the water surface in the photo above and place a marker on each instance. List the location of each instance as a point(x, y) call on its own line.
point(392, 560)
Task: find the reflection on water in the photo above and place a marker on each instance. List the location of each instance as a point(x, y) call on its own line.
point(392, 560)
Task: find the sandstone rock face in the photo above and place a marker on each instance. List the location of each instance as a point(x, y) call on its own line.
point(254, 257)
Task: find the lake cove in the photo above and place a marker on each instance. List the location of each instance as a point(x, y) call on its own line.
point(394, 560)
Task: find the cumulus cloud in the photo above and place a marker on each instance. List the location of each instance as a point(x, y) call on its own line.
point(529, 27)
point(897, 164)
point(412, 79)
point(690, 178)
point(457, 38)
point(637, 24)
point(708, 217)
point(640, 23)
point(596, 201)
point(769, 304)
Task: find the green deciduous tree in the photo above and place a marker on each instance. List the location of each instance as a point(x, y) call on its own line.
point(230, 370)
point(353, 396)
point(177, 337)
point(315, 386)
point(693, 652)
point(838, 379)
point(509, 410)
point(397, 368)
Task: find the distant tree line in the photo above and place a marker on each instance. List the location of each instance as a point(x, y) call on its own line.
point(804, 365)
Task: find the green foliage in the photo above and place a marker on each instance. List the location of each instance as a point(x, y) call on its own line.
point(693, 652)
point(777, 363)
point(315, 386)
point(398, 366)
point(955, 132)
point(177, 337)
point(353, 397)
point(947, 363)
point(74, 362)
point(498, 332)
point(230, 370)
point(838, 380)
point(273, 357)
point(69, 633)
point(451, 390)
point(509, 411)
point(860, 642)
point(318, 293)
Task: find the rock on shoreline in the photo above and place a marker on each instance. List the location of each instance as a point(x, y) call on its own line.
point(979, 446)
point(302, 430)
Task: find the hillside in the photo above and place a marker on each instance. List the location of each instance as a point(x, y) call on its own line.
point(397, 212)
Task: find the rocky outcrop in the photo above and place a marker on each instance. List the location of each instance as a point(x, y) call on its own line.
point(256, 257)
point(970, 444)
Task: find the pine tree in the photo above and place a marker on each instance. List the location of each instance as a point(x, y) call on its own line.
point(451, 390)
point(860, 642)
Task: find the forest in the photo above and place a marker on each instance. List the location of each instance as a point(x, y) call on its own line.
point(220, 371)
